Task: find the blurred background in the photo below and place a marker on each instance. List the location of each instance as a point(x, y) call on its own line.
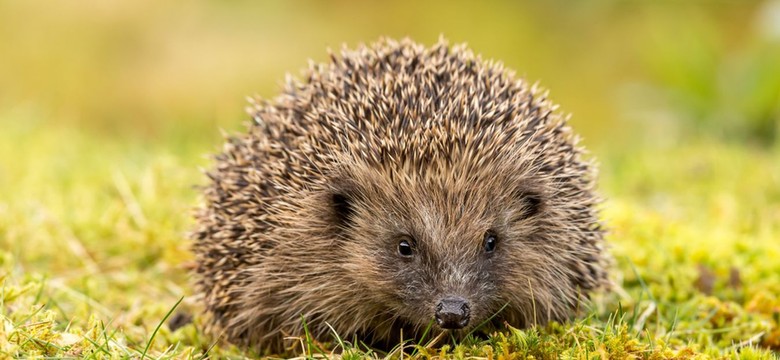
point(629, 71)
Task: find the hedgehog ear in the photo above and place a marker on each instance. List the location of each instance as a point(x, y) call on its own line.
point(531, 202)
point(341, 204)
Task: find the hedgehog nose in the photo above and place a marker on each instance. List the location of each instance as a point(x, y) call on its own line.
point(452, 313)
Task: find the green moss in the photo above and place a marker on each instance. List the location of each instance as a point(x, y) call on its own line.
point(94, 257)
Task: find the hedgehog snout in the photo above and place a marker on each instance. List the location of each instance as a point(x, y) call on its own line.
point(453, 312)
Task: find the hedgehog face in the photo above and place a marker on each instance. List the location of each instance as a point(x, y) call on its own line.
point(437, 253)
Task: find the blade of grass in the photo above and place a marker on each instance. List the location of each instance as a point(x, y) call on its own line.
point(159, 325)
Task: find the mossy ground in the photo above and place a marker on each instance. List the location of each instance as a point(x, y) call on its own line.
point(93, 254)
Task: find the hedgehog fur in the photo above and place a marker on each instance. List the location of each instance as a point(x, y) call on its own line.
point(394, 189)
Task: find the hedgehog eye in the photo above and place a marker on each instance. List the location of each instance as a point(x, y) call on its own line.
point(405, 248)
point(491, 240)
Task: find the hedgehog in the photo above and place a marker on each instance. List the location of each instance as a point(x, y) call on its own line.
point(393, 192)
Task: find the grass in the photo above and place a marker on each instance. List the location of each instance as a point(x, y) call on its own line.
point(93, 253)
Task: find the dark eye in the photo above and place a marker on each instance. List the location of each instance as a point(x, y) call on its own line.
point(490, 242)
point(405, 248)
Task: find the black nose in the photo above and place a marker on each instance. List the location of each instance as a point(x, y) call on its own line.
point(453, 313)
